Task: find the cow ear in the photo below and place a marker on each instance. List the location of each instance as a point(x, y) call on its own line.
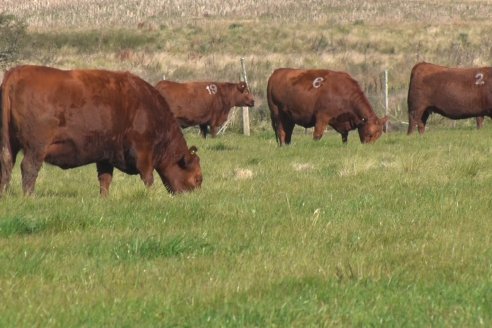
point(186, 160)
point(241, 86)
point(362, 121)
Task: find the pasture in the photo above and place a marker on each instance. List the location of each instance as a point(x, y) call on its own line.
point(313, 234)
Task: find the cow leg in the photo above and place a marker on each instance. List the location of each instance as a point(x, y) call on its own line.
point(480, 122)
point(417, 118)
point(280, 134)
point(283, 134)
point(344, 137)
point(412, 122)
point(7, 162)
point(277, 123)
point(145, 168)
point(213, 131)
point(421, 124)
point(411, 126)
point(283, 128)
point(288, 128)
point(30, 166)
point(414, 119)
point(105, 176)
point(319, 127)
point(278, 128)
point(203, 130)
point(274, 127)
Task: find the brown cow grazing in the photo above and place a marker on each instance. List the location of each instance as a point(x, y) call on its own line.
point(204, 103)
point(319, 98)
point(74, 118)
point(455, 93)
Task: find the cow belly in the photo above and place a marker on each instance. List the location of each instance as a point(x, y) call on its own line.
point(63, 153)
point(67, 152)
point(304, 120)
point(459, 113)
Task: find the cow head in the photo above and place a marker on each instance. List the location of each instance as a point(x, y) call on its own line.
point(185, 174)
point(371, 130)
point(243, 96)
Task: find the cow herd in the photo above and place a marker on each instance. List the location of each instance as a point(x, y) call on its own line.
point(118, 120)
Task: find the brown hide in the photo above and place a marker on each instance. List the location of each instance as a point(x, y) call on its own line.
point(319, 98)
point(455, 93)
point(78, 117)
point(204, 103)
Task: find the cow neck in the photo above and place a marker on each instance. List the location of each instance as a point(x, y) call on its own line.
point(226, 93)
point(173, 146)
point(365, 108)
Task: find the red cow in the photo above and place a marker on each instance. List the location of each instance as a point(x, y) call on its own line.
point(204, 103)
point(319, 98)
point(74, 118)
point(455, 93)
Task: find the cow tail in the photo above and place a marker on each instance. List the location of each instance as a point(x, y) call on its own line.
point(411, 88)
point(5, 147)
point(272, 114)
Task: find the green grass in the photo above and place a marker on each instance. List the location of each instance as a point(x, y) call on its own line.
point(314, 234)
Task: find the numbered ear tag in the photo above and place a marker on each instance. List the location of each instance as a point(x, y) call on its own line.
point(212, 89)
point(479, 79)
point(317, 82)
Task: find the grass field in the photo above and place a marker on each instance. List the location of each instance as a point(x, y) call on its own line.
point(314, 234)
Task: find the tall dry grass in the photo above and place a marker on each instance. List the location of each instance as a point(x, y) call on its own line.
point(204, 40)
point(125, 13)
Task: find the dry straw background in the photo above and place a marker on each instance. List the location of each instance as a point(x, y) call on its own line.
point(203, 40)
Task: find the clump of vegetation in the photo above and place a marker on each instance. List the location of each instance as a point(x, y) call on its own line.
point(13, 32)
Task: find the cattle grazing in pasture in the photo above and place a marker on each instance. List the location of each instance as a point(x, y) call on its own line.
point(455, 93)
point(77, 117)
point(204, 103)
point(318, 98)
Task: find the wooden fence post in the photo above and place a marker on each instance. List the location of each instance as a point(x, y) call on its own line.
point(386, 106)
point(246, 129)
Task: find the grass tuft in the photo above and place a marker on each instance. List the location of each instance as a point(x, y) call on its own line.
point(20, 226)
point(152, 248)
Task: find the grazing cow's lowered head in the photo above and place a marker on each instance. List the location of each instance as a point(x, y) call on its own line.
point(185, 175)
point(371, 130)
